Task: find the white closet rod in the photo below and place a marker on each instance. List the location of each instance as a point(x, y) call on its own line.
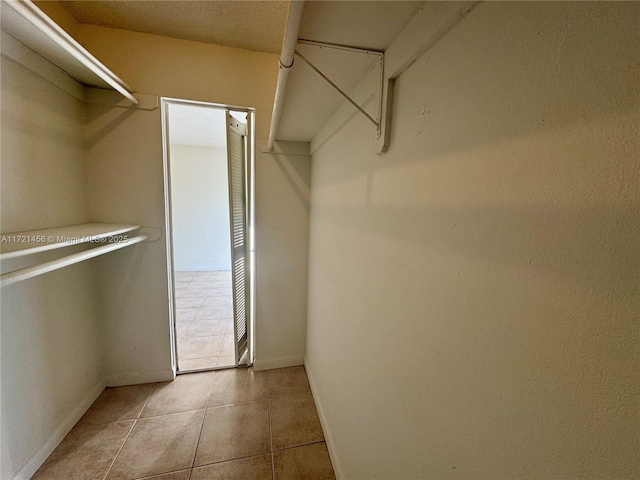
point(294, 19)
point(34, 271)
point(40, 20)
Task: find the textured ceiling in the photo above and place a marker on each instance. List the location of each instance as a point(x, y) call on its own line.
point(259, 25)
point(253, 25)
point(197, 126)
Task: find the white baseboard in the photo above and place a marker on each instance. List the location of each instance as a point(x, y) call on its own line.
point(280, 362)
point(136, 378)
point(58, 435)
point(328, 438)
point(54, 440)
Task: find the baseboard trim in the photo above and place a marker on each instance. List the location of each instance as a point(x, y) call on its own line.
point(54, 440)
point(165, 375)
point(328, 438)
point(280, 362)
point(58, 435)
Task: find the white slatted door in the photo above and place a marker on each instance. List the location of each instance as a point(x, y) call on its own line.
point(237, 160)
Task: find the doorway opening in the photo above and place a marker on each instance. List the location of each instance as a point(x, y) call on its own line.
point(208, 160)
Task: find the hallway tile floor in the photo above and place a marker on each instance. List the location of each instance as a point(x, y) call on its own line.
point(233, 424)
point(204, 319)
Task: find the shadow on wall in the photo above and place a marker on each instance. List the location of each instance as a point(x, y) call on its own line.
point(475, 289)
point(118, 115)
point(440, 119)
point(565, 243)
point(510, 166)
point(291, 168)
point(38, 99)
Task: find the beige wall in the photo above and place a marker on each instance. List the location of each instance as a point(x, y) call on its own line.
point(30, 197)
point(473, 293)
point(51, 353)
point(126, 185)
point(107, 165)
point(190, 70)
point(170, 67)
point(200, 207)
point(282, 250)
point(182, 69)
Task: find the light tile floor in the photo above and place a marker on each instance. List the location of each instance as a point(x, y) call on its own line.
point(204, 320)
point(233, 424)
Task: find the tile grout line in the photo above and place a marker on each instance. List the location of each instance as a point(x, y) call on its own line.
point(292, 395)
point(194, 320)
point(213, 381)
point(220, 347)
point(207, 406)
point(229, 460)
point(273, 468)
point(147, 477)
point(239, 404)
point(153, 389)
point(195, 451)
point(301, 445)
point(135, 421)
point(179, 338)
point(178, 412)
point(204, 417)
point(232, 459)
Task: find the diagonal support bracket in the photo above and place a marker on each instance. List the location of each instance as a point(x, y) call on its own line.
point(338, 89)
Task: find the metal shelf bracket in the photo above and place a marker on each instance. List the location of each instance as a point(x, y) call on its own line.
point(380, 60)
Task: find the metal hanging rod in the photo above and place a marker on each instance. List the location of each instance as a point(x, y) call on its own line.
point(294, 19)
point(34, 271)
point(349, 99)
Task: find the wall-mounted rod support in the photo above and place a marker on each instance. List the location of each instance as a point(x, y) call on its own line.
point(429, 24)
point(34, 271)
point(40, 20)
point(294, 18)
point(349, 99)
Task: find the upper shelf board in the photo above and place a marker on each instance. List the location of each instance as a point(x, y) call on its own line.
point(29, 35)
point(18, 244)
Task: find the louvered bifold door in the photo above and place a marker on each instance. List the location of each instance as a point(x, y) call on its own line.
point(237, 159)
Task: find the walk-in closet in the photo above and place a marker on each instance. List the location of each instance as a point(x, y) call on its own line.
point(432, 227)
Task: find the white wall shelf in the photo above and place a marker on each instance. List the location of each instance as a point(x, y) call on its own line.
point(19, 244)
point(111, 236)
point(25, 22)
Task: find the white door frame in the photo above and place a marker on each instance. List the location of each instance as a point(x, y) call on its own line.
point(165, 102)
